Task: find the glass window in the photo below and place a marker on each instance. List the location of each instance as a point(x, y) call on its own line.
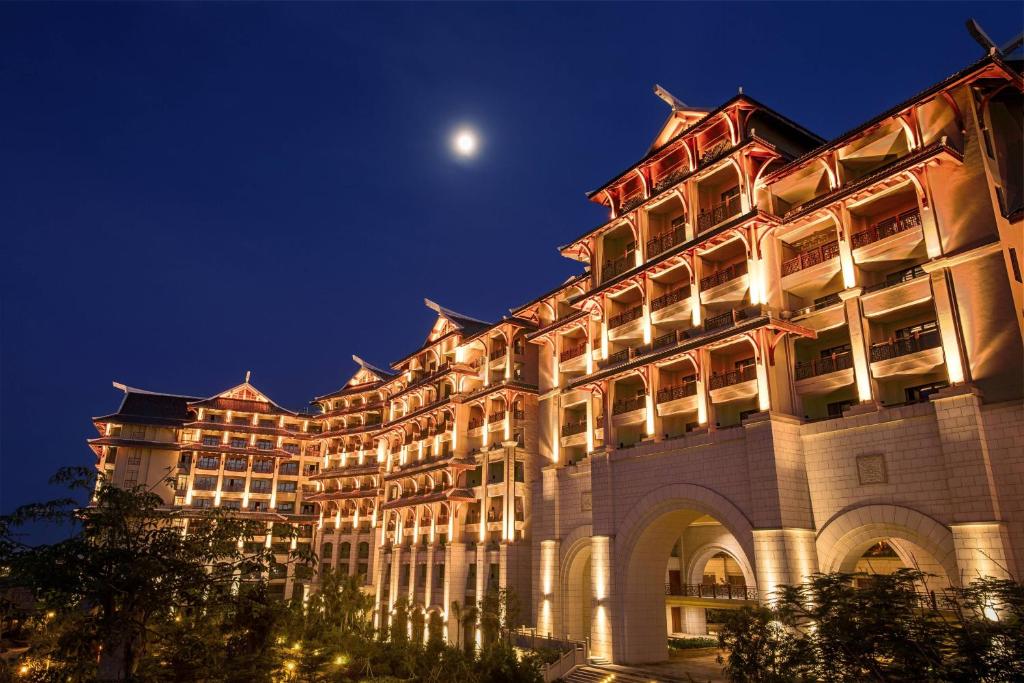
point(286, 486)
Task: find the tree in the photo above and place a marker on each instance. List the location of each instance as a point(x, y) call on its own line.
point(127, 568)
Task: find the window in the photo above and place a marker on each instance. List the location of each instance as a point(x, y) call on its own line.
point(740, 364)
point(730, 193)
point(202, 502)
point(440, 574)
point(239, 420)
point(363, 569)
point(289, 468)
point(308, 509)
point(208, 462)
point(204, 483)
point(264, 445)
point(836, 409)
point(263, 465)
point(286, 508)
point(292, 448)
point(364, 551)
point(903, 275)
point(260, 485)
point(260, 506)
point(234, 485)
point(421, 573)
point(286, 486)
point(520, 471)
point(131, 478)
point(344, 550)
point(134, 458)
point(473, 477)
point(214, 418)
point(923, 392)
point(403, 576)
point(238, 442)
point(495, 472)
point(231, 504)
point(211, 441)
point(835, 351)
point(913, 330)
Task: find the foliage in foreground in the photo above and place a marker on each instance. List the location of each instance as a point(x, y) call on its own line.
point(886, 629)
point(128, 597)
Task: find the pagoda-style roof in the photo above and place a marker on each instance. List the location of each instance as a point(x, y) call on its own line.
point(367, 378)
point(450, 494)
point(148, 407)
point(243, 398)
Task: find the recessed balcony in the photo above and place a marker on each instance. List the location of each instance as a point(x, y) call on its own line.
point(825, 313)
point(729, 284)
point(629, 410)
point(573, 357)
point(628, 323)
point(675, 304)
point(912, 355)
point(892, 239)
point(811, 270)
point(824, 375)
point(734, 384)
point(718, 213)
point(677, 398)
point(665, 241)
point(899, 290)
point(574, 433)
point(617, 266)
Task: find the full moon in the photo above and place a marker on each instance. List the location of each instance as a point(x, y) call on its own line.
point(465, 142)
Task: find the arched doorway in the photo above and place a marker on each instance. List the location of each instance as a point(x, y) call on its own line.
point(577, 592)
point(700, 526)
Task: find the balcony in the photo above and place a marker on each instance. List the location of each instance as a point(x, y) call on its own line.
point(669, 298)
point(618, 266)
point(498, 353)
point(664, 242)
point(733, 377)
point(902, 289)
point(572, 352)
point(628, 405)
point(496, 416)
point(573, 428)
point(733, 317)
point(812, 257)
point(725, 275)
point(682, 390)
point(823, 366)
point(915, 354)
point(626, 316)
point(887, 228)
point(894, 348)
point(718, 213)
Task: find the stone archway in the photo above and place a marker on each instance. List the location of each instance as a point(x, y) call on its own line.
point(918, 540)
point(634, 629)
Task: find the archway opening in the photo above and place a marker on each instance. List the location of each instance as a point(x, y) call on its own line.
point(671, 581)
point(577, 592)
point(882, 556)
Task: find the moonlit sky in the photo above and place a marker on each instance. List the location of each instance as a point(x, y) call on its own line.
point(190, 191)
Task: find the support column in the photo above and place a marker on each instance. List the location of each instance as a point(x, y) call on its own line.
point(948, 320)
point(606, 609)
point(783, 557)
point(655, 423)
point(455, 569)
point(859, 345)
point(550, 602)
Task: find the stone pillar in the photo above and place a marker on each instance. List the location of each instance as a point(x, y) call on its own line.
point(783, 557)
point(948, 322)
point(455, 568)
point(980, 537)
point(550, 601)
point(860, 343)
point(606, 611)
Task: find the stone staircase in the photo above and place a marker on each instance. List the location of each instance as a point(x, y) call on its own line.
point(600, 671)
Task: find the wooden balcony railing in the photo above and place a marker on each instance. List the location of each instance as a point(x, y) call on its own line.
point(887, 228)
point(628, 405)
point(713, 215)
point(498, 353)
point(571, 428)
point(811, 257)
point(715, 149)
point(626, 316)
point(615, 358)
point(894, 348)
point(475, 422)
point(669, 298)
point(732, 317)
point(665, 241)
point(823, 366)
point(630, 203)
point(725, 275)
point(573, 352)
point(727, 379)
point(617, 266)
point(687, 387)
point(823, 302)
point(496, 416)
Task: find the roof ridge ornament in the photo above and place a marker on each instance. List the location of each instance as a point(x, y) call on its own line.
point(670, 99)
point(990, 46)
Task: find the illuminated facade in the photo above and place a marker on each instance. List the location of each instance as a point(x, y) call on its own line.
point(784, 355)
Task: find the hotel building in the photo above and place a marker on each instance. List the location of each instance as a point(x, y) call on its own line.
point(782, 355)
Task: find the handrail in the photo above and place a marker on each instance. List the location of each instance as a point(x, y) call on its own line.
point(618, 265)
point(811, 257)
point(573, 352)
point(725, 275)
point(665, 241)
point(686, 387)
point(727, 379)
point(823, 366)
point(626, 316)
point(627, 405)
point(894, 348)
point(571, 428)
point(669, 298)
point(717, 213)
point(887, 228)
point(714, 591)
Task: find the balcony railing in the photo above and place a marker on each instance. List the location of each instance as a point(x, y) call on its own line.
point(628, 405)
point(823, 366)
point(732, 317)
point(897, 278)
point(572, 428)
point(498, 353)
point(811, 257)
point(687, 387)
point(617, 266)
point(669, 298)
point(626, 316)
point(725, 275)
point(665, 241)
point(894, 348)
point(475, 422)
point(573, 352)
point(715, 591)
point(717, 213)
point(496, 416)
point(631, 203)
point(715, 149)
point(887, 228)
point(615, 358)
point(823, 302)
point(738, 376)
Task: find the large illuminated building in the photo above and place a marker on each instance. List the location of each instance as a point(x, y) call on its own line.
point(783, 355)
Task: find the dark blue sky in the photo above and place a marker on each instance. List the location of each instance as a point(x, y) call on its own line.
point(190, 191)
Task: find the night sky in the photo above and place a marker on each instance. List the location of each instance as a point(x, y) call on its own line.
point(193, 191)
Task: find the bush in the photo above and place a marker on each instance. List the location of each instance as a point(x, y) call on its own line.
point(691, 643)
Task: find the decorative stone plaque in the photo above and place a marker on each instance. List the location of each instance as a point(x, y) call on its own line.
point(586, 504)
point(871, 469)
